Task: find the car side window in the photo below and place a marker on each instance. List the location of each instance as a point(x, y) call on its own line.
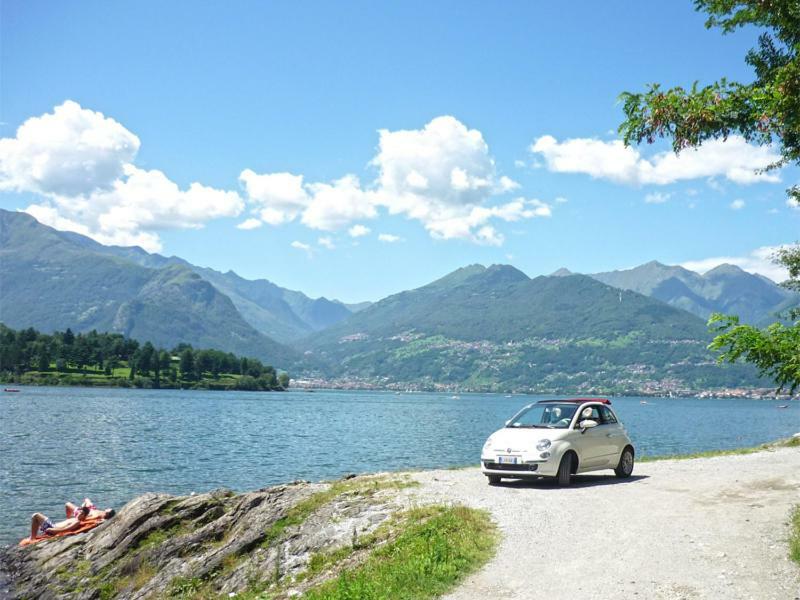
point(588, 412)
point(607, 416)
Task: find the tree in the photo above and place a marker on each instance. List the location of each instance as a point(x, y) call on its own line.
point(187, 364)
point(765, 111)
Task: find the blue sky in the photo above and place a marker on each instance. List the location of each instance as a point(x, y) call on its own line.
point(163, 96)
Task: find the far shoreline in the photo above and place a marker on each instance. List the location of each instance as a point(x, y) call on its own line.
point(768, 394)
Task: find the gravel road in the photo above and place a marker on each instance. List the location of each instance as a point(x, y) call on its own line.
point(708, 528)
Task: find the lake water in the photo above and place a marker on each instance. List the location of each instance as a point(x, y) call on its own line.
point(59, 444)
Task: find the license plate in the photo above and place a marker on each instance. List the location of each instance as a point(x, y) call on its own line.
point(507, 460)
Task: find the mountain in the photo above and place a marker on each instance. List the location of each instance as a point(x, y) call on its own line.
point(53, 280)
point(279, 313)
point(496, 329)
point(726, 289)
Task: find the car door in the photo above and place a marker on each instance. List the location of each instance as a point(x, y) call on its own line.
point(591, 445)
point(613, 435)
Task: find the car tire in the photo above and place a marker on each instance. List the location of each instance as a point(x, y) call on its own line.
point(493, 479)
point(625, 465)
point(564, 476)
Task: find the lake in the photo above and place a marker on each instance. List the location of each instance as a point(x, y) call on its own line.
point(59, 444)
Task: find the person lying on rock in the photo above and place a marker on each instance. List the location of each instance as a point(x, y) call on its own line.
point(94, 513)
point(42, 526)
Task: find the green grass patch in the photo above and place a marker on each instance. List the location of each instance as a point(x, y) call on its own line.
point(302, 510)
point(793, 442)
point(440, 546)
point(794, 537)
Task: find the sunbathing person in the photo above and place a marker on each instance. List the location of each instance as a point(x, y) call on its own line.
point(94, 513)
point(42, 526)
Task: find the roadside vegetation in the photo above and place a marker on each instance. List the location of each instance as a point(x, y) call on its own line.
point(438, 547)
point(29, 357)
point(794, 539)
point(793, 442)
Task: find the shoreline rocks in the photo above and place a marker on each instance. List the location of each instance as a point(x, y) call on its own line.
point(159, 545)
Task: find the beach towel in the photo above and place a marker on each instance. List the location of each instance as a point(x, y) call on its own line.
point(85, 526)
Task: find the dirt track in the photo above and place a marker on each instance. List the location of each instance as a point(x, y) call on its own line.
point(697, 529)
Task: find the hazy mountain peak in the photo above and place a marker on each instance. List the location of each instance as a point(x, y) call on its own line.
point(726, 269)
point(562, 272)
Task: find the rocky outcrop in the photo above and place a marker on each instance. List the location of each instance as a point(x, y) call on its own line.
point(209, 544)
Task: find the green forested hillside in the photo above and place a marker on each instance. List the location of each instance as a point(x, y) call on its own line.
point(54, 280)
point(497, 329)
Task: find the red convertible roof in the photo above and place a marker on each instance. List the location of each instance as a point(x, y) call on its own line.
point(579, 400)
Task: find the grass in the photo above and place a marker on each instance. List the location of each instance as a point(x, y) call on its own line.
point(793, 442)
point(794, 537)
point(437, 549)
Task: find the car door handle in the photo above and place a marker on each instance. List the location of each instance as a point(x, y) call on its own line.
point(611, 435)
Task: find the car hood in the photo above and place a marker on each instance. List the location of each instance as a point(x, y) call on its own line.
point(515, 440)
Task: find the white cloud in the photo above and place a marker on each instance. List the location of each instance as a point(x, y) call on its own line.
point(441, 175)
point(389, 238)
point(561, 200)
point(304, 247)
point(656, 198)
point(249, 224)
point(70, 152)
point(758, 261)
point(358, 231)
point(737, 204)
point(734, 159)
point(79, 162)
point(326, 242)
point(278, 197)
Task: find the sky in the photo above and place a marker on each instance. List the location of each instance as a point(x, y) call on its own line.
point(356, 149)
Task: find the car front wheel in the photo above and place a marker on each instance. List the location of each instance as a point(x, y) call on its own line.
point(564, 476)
point(625, 466)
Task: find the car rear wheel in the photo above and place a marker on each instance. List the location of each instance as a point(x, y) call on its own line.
point(625, 466)
point(564, 476)
point(493, 479)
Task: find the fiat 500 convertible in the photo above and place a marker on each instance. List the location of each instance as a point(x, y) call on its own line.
point(559, 438)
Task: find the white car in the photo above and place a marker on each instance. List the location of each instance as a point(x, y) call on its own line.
point(559, 438)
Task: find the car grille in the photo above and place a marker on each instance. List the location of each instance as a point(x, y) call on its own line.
point(504, 467)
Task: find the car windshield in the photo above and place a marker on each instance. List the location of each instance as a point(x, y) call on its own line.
point(548, 416)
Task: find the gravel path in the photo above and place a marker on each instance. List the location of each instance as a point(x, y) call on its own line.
point(696, 529)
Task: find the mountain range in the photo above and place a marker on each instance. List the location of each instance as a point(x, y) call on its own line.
point(479, 328)
point(497, 329)
point(53, 280)
point(727, 289)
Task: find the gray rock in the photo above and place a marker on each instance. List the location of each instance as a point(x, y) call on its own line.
point(219, 540)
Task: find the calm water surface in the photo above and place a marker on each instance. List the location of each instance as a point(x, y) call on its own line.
point(59, 444)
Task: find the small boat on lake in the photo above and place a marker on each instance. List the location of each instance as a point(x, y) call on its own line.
point(783, 406)
point(10, 390)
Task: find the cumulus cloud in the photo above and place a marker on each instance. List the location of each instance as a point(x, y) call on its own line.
point(441, 175)
point(737, 204)
point(389, 238)
point(69, 152)
point(249, 224)
point(80, 163)
point(358, 231)
point(734, 159)
point(758, 261)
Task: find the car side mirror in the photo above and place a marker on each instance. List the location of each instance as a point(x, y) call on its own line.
point(587, 424)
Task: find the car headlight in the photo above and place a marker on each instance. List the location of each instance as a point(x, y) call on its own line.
point(543, 444)
point(488, 444)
